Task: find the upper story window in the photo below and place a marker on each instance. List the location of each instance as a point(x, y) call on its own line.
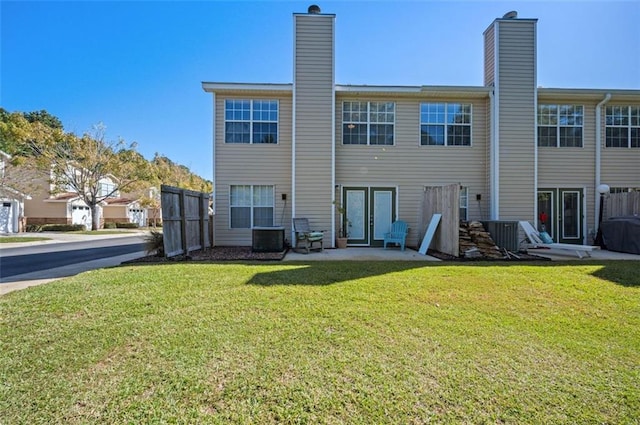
point(623, 127)
point(251, 206)
point(107, 189)
point(560, 125)
point(368, 123)
point(250, 121)
point(445, 124)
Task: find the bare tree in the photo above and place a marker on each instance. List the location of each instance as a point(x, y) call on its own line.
point(83, 164)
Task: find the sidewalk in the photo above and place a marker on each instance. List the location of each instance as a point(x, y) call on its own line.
point(62, 237)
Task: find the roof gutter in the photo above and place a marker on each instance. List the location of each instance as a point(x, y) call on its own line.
point(598, 155)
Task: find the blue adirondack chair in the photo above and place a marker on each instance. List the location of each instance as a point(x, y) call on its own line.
point(398, 234)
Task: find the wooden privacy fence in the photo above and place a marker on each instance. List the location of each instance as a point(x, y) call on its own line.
point(621, 204)
point(443, 200)
point(185, 220)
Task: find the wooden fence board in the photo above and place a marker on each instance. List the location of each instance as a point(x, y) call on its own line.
point(443, 200)
point(185, 216)
point(622, 204)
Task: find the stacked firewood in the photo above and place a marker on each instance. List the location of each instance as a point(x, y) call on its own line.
point(476, 242)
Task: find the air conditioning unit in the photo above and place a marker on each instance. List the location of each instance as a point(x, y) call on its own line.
point(267, 239)
point(505, 234)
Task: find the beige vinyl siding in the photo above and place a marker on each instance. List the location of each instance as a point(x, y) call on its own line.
point(313, 91)
point(517, 118)
point(620, 167)
point(252, 164)
point(410, 167)
point(116, 212)
point(489, 56)
point(38, 208)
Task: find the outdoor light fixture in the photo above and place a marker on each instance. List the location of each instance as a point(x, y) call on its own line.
point(602, 189)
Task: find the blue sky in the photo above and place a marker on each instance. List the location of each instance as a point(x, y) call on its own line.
point(137, 66)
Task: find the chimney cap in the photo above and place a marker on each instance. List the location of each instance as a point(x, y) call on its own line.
point(511, 15)
point(314, 9)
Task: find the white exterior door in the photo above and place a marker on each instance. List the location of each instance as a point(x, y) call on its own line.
point(7, 218)
point(81, 215)
point(138, 215)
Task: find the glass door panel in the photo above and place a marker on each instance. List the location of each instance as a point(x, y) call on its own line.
point(546, 212)
point(571, 215)
point(357, 224)
point(382, 209)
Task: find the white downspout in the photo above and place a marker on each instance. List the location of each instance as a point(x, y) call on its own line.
point(213, 172)
point(494, 158)
point(598, 152)
point(495, 130)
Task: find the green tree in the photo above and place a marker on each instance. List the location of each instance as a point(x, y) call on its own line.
point(45, 118)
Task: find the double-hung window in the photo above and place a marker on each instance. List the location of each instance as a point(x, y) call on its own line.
point(560, 125)
point(445, 124)
point(105, 189)
point(250, 121)
point(622, 127)
point(368, 123)
point(251, 206)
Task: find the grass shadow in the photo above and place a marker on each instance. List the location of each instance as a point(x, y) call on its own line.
point(329, 272)
point(616, 272)
point(623, 273)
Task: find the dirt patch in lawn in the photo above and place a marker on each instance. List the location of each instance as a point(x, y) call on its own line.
point(221, 253)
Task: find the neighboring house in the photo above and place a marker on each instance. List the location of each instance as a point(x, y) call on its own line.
point(48, 206)
point(124, 210)
point(11, 200)
point(516, 150)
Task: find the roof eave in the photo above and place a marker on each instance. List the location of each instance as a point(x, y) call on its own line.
point(213, 87)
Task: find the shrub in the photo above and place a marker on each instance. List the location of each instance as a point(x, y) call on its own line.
point(33, 228)
point(110, 225)
point(62, 227)
point(154, 242)
point(127, 225)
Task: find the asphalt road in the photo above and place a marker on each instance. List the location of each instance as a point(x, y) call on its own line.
point(21, 260)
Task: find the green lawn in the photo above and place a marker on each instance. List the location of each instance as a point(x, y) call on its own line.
point(326, 342)
point(18, 239)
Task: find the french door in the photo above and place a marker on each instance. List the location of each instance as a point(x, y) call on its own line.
point(369, 212)
point(560, 212)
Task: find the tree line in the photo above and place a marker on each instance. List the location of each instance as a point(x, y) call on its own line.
point(41, 150)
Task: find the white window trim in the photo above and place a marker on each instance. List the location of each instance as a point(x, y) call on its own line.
point(464, 194)
point(273, 196)
point(628, 126)
point(446, 125)
point(557, 126)
point(369, 122)
point(251, 121)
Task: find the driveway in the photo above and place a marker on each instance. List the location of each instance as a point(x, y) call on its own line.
point(60, 242)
